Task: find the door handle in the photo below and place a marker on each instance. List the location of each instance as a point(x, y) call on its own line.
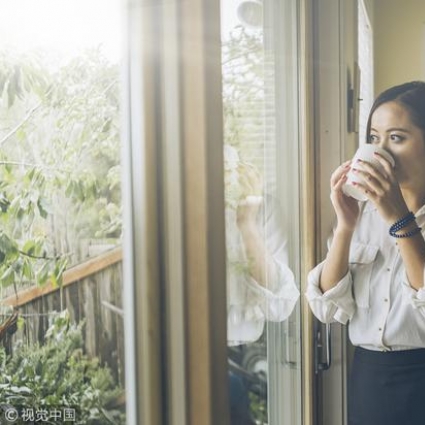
point(321, 365)
point(287, 345)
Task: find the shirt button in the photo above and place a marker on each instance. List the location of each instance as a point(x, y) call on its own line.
point(388, 269)
point(386, 300)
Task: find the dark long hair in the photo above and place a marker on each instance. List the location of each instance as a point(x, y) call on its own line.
point(409, 95)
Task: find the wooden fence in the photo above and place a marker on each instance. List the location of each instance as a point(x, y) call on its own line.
point(91, 291)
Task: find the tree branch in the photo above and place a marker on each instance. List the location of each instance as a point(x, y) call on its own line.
point(32, 165)
point(39, 257)
point(14, 130)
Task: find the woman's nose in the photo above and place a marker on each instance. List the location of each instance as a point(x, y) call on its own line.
point(383, 143)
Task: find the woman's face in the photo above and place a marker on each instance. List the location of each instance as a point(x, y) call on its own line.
point(393, 130)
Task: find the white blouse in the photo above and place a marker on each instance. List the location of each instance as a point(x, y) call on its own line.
point(249, 303)
point(384, 311)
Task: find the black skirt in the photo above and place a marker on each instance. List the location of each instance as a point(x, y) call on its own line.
point(387, 388)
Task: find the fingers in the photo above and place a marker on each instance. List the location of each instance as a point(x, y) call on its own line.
point(385, 163)
point(375, 180)
point(339, 172)
point(250, 179)
point(245, 183)
point(336, 191)
point(368, 169)
point(365, 189)
point(340, 182)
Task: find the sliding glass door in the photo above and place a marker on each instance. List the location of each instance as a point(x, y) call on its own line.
point(260, 68)
point(214, 212)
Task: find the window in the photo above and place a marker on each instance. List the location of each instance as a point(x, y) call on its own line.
point(260, 102)
point(365, 43)
point(60, 191)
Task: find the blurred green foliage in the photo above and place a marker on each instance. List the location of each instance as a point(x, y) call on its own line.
point(59, 162)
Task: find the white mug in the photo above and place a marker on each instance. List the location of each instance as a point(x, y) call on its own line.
point(365, 153)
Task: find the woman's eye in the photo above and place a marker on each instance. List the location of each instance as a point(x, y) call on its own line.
point(396, 138)
point(373, 138)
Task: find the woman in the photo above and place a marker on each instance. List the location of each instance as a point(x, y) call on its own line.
point(373, 275)
point(260, 285)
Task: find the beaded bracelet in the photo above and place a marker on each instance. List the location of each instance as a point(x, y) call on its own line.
point(403, 222)
point(407, 234)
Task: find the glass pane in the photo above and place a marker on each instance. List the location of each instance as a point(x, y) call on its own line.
point(365, 54)
point(260, 80)
point(60, 200)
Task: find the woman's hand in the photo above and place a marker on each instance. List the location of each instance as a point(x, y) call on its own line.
point(346, 208)
point(382, 188)
point(252, 190)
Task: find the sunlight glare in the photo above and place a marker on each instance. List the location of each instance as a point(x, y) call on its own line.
point(65, 27)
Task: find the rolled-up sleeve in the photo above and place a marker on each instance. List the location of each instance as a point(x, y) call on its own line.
point(416, 298)
point(277, 305)
point(336, 304)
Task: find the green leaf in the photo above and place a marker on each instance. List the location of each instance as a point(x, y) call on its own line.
point(11, 93)
point(8, 277)
point(53, 280)
point(60, 267)
point(43, 207)
point(69, 189)
point(30, 174)
point(29, 247)
point(4, 203)
point(7, 245)
point(27, 270)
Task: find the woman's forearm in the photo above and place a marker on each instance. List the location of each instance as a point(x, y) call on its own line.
point(261, 266)
point(336, 263)
point(412, 251)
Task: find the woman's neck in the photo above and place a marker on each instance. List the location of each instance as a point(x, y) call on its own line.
point(414, 199)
